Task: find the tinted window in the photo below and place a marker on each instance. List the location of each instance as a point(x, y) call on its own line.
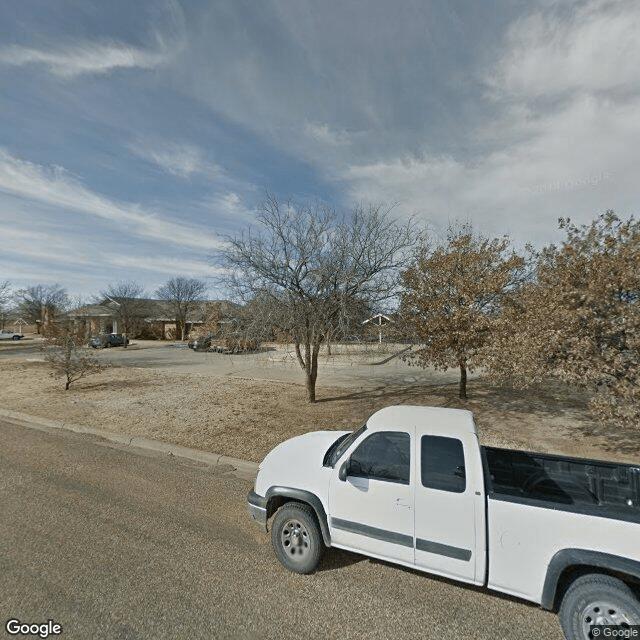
point(442, 464)
point(384, 455)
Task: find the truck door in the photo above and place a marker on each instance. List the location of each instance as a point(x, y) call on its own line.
point(446, 504)
point(372, 509)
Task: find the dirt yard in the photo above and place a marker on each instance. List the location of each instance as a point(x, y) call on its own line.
point(244, 417)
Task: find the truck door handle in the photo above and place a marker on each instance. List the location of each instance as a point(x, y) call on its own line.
point(402, 503)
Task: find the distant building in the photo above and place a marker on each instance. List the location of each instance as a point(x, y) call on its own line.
point(146, 318)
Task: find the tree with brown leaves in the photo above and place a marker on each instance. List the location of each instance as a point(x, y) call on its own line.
point(453, 296)
point(579, 321)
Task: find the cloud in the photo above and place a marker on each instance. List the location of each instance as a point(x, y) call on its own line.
point(562, 138)
point(228, 208)
point(165, 265)
point(57, 188)
point(323, 134)
point(29, 245)
point(594, 48)
point(180, 159)
point(576, 160)
point(84, 58)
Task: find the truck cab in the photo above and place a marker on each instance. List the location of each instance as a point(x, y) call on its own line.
point(406, 492)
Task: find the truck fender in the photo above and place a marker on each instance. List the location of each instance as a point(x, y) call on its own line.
point(307, 497)
point(577, 558)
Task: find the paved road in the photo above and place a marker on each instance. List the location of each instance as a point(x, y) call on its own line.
point(121, 544)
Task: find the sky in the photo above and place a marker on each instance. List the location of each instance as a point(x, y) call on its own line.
point(136, 136)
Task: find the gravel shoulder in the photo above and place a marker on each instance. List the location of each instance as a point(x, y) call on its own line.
point(242, 408)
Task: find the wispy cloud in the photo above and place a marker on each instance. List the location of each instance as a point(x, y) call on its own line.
point(27, 244)
point(180, 159)
point(593, 48)
point(56, 187)
point(84, 58)
point(162, 266)
point(323, 134)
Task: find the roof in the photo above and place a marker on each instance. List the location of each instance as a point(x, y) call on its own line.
point(154, 310)
point(443, 420)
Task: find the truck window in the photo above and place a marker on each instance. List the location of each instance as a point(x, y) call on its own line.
point(335, 451)
point(384, 455)
point(442, 464)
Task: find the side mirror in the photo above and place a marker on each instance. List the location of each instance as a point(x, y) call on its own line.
point(342, 473)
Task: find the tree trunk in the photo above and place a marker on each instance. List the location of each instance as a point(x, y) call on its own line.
point(463, 380)
point(309, 364)
point(311, 388)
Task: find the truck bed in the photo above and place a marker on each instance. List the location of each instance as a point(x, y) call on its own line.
point(596, 487)
point(540, 505)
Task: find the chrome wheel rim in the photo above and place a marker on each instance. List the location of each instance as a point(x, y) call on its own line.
point(295, 540)
point(603, 612)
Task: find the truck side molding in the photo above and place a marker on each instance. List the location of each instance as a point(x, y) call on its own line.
point(304, 496)
point(576, 558)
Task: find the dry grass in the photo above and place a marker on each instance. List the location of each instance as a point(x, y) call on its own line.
point(245, 418)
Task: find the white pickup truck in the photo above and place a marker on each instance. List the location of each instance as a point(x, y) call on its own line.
point(413, 486)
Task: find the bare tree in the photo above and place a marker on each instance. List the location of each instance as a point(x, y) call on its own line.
point(41, 303)
point(68, 360)
point(182, 294)
point(310, 270)
point(5, 296)
point(129, 305)
point(579, 321)
point(452, 298)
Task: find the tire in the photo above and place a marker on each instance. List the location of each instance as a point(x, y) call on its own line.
point(15, 338)
point(597, 599)
point(296, 537)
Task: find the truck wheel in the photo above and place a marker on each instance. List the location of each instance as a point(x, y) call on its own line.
point(597, 599)
point(296, 537)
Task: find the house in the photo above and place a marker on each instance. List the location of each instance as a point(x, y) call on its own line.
point(145, 317)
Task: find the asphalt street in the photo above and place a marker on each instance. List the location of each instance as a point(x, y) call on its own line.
point(126, 544)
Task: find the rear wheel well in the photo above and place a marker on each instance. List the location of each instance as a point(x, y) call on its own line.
point(571, 574)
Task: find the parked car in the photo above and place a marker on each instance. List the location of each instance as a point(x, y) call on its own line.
point(201, 343)
point(106, 340)
point(10, 335)
point(414, 487)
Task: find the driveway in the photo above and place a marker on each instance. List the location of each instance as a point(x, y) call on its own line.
point(364, 369)
point(115, 543)
point(368, 369)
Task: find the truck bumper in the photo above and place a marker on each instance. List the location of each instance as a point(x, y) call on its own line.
point(257, 509)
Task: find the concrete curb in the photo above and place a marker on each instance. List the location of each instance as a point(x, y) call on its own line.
point(240, 468)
